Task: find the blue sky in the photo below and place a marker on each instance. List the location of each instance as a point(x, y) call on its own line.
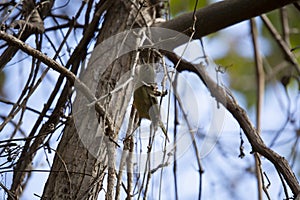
point(226, 176)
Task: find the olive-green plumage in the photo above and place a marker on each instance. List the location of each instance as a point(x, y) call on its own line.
point(145, 98)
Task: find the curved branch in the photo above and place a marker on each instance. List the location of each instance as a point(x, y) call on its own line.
point(223, 96)
point(217, 16)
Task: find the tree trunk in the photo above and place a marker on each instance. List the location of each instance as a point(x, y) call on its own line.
point(86, 151)
point(86, 154)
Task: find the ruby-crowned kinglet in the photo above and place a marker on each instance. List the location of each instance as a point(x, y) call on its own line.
point(145, 97)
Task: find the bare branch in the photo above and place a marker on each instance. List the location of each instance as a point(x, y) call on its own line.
point(229, 102)
point(282, 43)
point(260, 85)
point(53, 65)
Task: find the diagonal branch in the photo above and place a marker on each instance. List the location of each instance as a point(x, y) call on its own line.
point(59, 68)
point(217, 16)
point(34, 23)
point(223, 96)
point(289, 56)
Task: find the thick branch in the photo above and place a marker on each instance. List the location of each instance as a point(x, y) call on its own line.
point(222, 14)
point(223, 96)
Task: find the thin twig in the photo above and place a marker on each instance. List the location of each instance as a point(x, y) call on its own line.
point(285, 25)
point(176, 123)
point(2, 100)
point(191, 131)
point(57, 67)
point(10, 194)
point(260, 82)
point(229, 102)
point(282, 44)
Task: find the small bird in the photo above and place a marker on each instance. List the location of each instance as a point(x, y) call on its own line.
point(145, 97)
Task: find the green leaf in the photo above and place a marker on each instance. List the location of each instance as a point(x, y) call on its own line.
point(178, 6)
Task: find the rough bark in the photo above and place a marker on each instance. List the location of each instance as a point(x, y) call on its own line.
point(76, 173)
point(34, 143)
point(87, 150)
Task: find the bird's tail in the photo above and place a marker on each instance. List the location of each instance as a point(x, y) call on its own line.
point(164, 130)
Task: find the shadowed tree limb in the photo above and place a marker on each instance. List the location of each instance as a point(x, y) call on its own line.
point(217, 16)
